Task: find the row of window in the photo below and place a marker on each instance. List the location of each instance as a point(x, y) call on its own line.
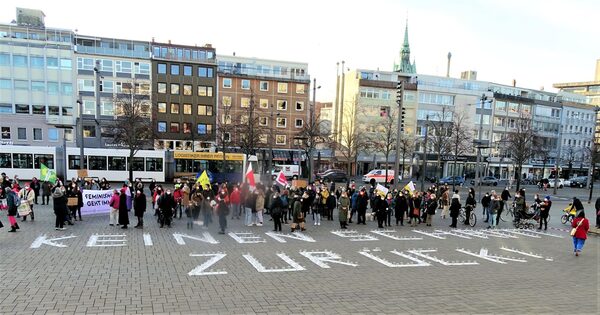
point(109, 86)
point(34, 62)
point(375, 93)
point(282, 87)
point(262, 139)
point(580, 115)
point(174, 89)
point(263, 121)
point(186, 128)
point(502, 106)
point(114, 66)
point(25, 160)
point(117, 163)
point(182, 53)
point(188, 70)
point(263, 103)
point(47, 34)
point(51, 88)
point(433, 98)
point(35, 109)
point(186, 109)
point(108, 108)
point(36, 134)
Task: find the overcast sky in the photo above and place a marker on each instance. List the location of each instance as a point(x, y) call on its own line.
point(535, 42)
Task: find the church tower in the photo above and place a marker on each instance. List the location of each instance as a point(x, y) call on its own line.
point(405, 66)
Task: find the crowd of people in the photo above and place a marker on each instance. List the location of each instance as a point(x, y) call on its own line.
point(283, 205)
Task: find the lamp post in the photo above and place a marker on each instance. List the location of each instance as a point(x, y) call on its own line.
point(81, 144)
point(64, 148)
point(312, 126)
point(593, 155)
point(424, 162)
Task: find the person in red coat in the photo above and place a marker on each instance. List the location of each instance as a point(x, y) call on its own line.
point(235, 201)
point(581, 225)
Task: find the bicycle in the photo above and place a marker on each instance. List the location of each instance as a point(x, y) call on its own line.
point(510, 212)
point(462, 215)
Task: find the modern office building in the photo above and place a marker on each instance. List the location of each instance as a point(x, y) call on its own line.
point(184, 96)
point(279, 93)
point(36, 82)
point(590, 89)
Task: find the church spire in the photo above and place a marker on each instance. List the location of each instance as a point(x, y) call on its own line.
point(405, 64)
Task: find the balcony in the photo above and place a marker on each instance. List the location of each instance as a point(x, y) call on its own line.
point(60, 120)
point(112, 52)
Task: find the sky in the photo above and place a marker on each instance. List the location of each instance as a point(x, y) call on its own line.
point(537, 43)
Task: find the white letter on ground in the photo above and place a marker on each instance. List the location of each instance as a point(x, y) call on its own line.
point(296, 236)
point(107, 240)
point(246, 238)
point(294, 265)
point(49, 241)
point(321, 258)
point(214, 258)
point(206, 238)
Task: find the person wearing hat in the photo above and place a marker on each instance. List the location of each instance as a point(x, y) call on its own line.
point(139, 207)
point(544, 212)
point(581, 226)
point(11, 201)
point(297, 214)
point(59, 203)
point(431, 207)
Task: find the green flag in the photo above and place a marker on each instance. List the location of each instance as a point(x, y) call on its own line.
point(47, 174)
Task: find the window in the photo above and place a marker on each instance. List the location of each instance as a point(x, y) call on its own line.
point(162, 107)
point(154, 164)
point(161, 88)
point(97, 163)
point(244, 119)
point(5, 84)
point(82, 63)
point(89, 107)
point(204, 129)
point(226, 101)
point(22, 160)
point(245, 102)
point(174, 89)
point(174, 69)
point(187, 109)
point(299, 105)
point(162, 126)
point(5, 133)
point(39, 86)
point(226, 119)
point(280, 139)
point(174, 127)
point(46, 159)
point(37, 134)
point(106, 65)
point(161, 68)
point(4, 59)
point(52, 88)
point(299, 123)
point(19, 61)
point(116, 163)
point(264, 103)
point(22, 109)
point(37, 62)
point(107, 86)
point(21, 85)
point(142, 68)
point(500, 106)
point(281, 105)
point(187, 89)
point(227, 137)
point(53, 110)
point(226, 83)
point(205, 110)
point(174, 108)
point(432, 98)
point(245, 84)
point(300, 88)
point(205, 90)
point(187, 71)
point(66, 64)
point(21, 134)
point(66, 88)
point(39, 109)
point(89, 131)
point(282, 87)
point(125, 66)
point(263, 121)
point(85, 85)
point(205, 72)
point(187, 127)
point(264, 85)
point(52, 63)
point(281, 122)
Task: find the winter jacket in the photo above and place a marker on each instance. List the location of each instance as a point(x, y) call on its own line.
point(486, 200)
point(582, 230)
point(433, 205)
point(344, 208)
point(11, 202)
point(455, 208)
point(139, 204)
point(234, 197)
point(114, 201)
point(185, 196)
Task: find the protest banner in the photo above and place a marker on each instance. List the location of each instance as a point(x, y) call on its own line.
point(96, 201)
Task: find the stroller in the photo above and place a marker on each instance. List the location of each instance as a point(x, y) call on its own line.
point(528, 218)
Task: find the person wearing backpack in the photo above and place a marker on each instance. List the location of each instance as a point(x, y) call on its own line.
point(12, 202)
point(276, 210)
point(285, 205)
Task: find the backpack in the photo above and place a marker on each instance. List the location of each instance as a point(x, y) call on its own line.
point(284, 201)
point(17, 200)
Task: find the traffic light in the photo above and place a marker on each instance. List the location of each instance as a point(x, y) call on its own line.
point(399, 93)
point(402, 115)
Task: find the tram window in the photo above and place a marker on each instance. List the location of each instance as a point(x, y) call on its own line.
point(97, 163)
point(22, 160)
point(46, 159)
point(154, 164)
point(74, 162)
point(138, 164)
point(5, 160)
point(116, 163)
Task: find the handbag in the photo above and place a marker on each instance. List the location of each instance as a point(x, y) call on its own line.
point(416, 212)
point(24, 209)
point(574, 230)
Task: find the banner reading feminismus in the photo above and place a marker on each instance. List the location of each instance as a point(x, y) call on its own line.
point(96, 201)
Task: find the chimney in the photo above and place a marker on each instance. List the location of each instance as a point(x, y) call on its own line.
point(153, 39)
point(208, 45)
point(169, 42)
point(514, 82)
point(448, 67)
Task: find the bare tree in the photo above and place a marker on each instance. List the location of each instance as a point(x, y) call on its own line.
point(385, 139)
point(521, 144)
point(543, 154)
point(440, 126)
point(569, 156)
point(247, 128)
point(311, 136)
point(225, 130)
point(352, 142)
point(132, 127)
point(460, 137)
point(407, 147)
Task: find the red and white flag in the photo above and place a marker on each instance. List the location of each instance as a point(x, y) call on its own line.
point(250, 176)
point(281, 180)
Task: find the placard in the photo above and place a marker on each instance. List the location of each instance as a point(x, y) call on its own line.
point(96, 201)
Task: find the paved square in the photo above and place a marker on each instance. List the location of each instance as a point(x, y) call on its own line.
point(104, 269)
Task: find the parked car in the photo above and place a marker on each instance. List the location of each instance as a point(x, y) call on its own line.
point(290, 171)
point(487, 180)
point(335, 176)
point(452, 180)
point(321, 174)
point(580, 181)
point(561, 182)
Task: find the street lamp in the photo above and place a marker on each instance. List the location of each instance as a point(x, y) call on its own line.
point(64, 148)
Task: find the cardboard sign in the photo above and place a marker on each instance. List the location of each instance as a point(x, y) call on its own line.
point(82, 173)
point(300, 183)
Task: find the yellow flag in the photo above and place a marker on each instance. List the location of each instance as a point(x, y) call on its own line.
point(203, 179)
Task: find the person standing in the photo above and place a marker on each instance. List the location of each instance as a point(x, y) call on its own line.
point(504, 196)
point(35, 186)
point(46, 192)
point(260, 205)
point(249, 205)
point(166, 204)
point(207, 205)
point(124, 208)
point(344, 209)
point(581, 225)
point(222, 210)
point(331, 203)
point(454, 211)
point(353, 199)
point(11, 202)
point(361, 206)
point(195, 208)
point(276, 211)
point(380, 210)
point(139, 207)
point(597, 206)
point(185, 198)
point(27, 196)
point(297, 214)
point(235, 201)
point(544, 212)
point(114, 208)
point(495, 204)
point(400, 208)
point(485, 203)
point(74, 195)
point(431, 207)
point(470, 205)
point(59, 203)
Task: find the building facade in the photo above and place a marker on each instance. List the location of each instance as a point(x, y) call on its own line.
point(276, 93)
point(184, 96)
point(589, 89)
point(37, 95)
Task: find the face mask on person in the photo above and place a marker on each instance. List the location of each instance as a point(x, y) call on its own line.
point(168, 192)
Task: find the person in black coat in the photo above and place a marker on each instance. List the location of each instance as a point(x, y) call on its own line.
point(454, 211)
point(361, 204)
point(597, 206)
point(59, 203)
point(139, 207)
point(380, 210)
point(166, 204)
point(331, 203)
point(123, 211)
point(276, 211)
point(470, 205)
point(400, 208)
